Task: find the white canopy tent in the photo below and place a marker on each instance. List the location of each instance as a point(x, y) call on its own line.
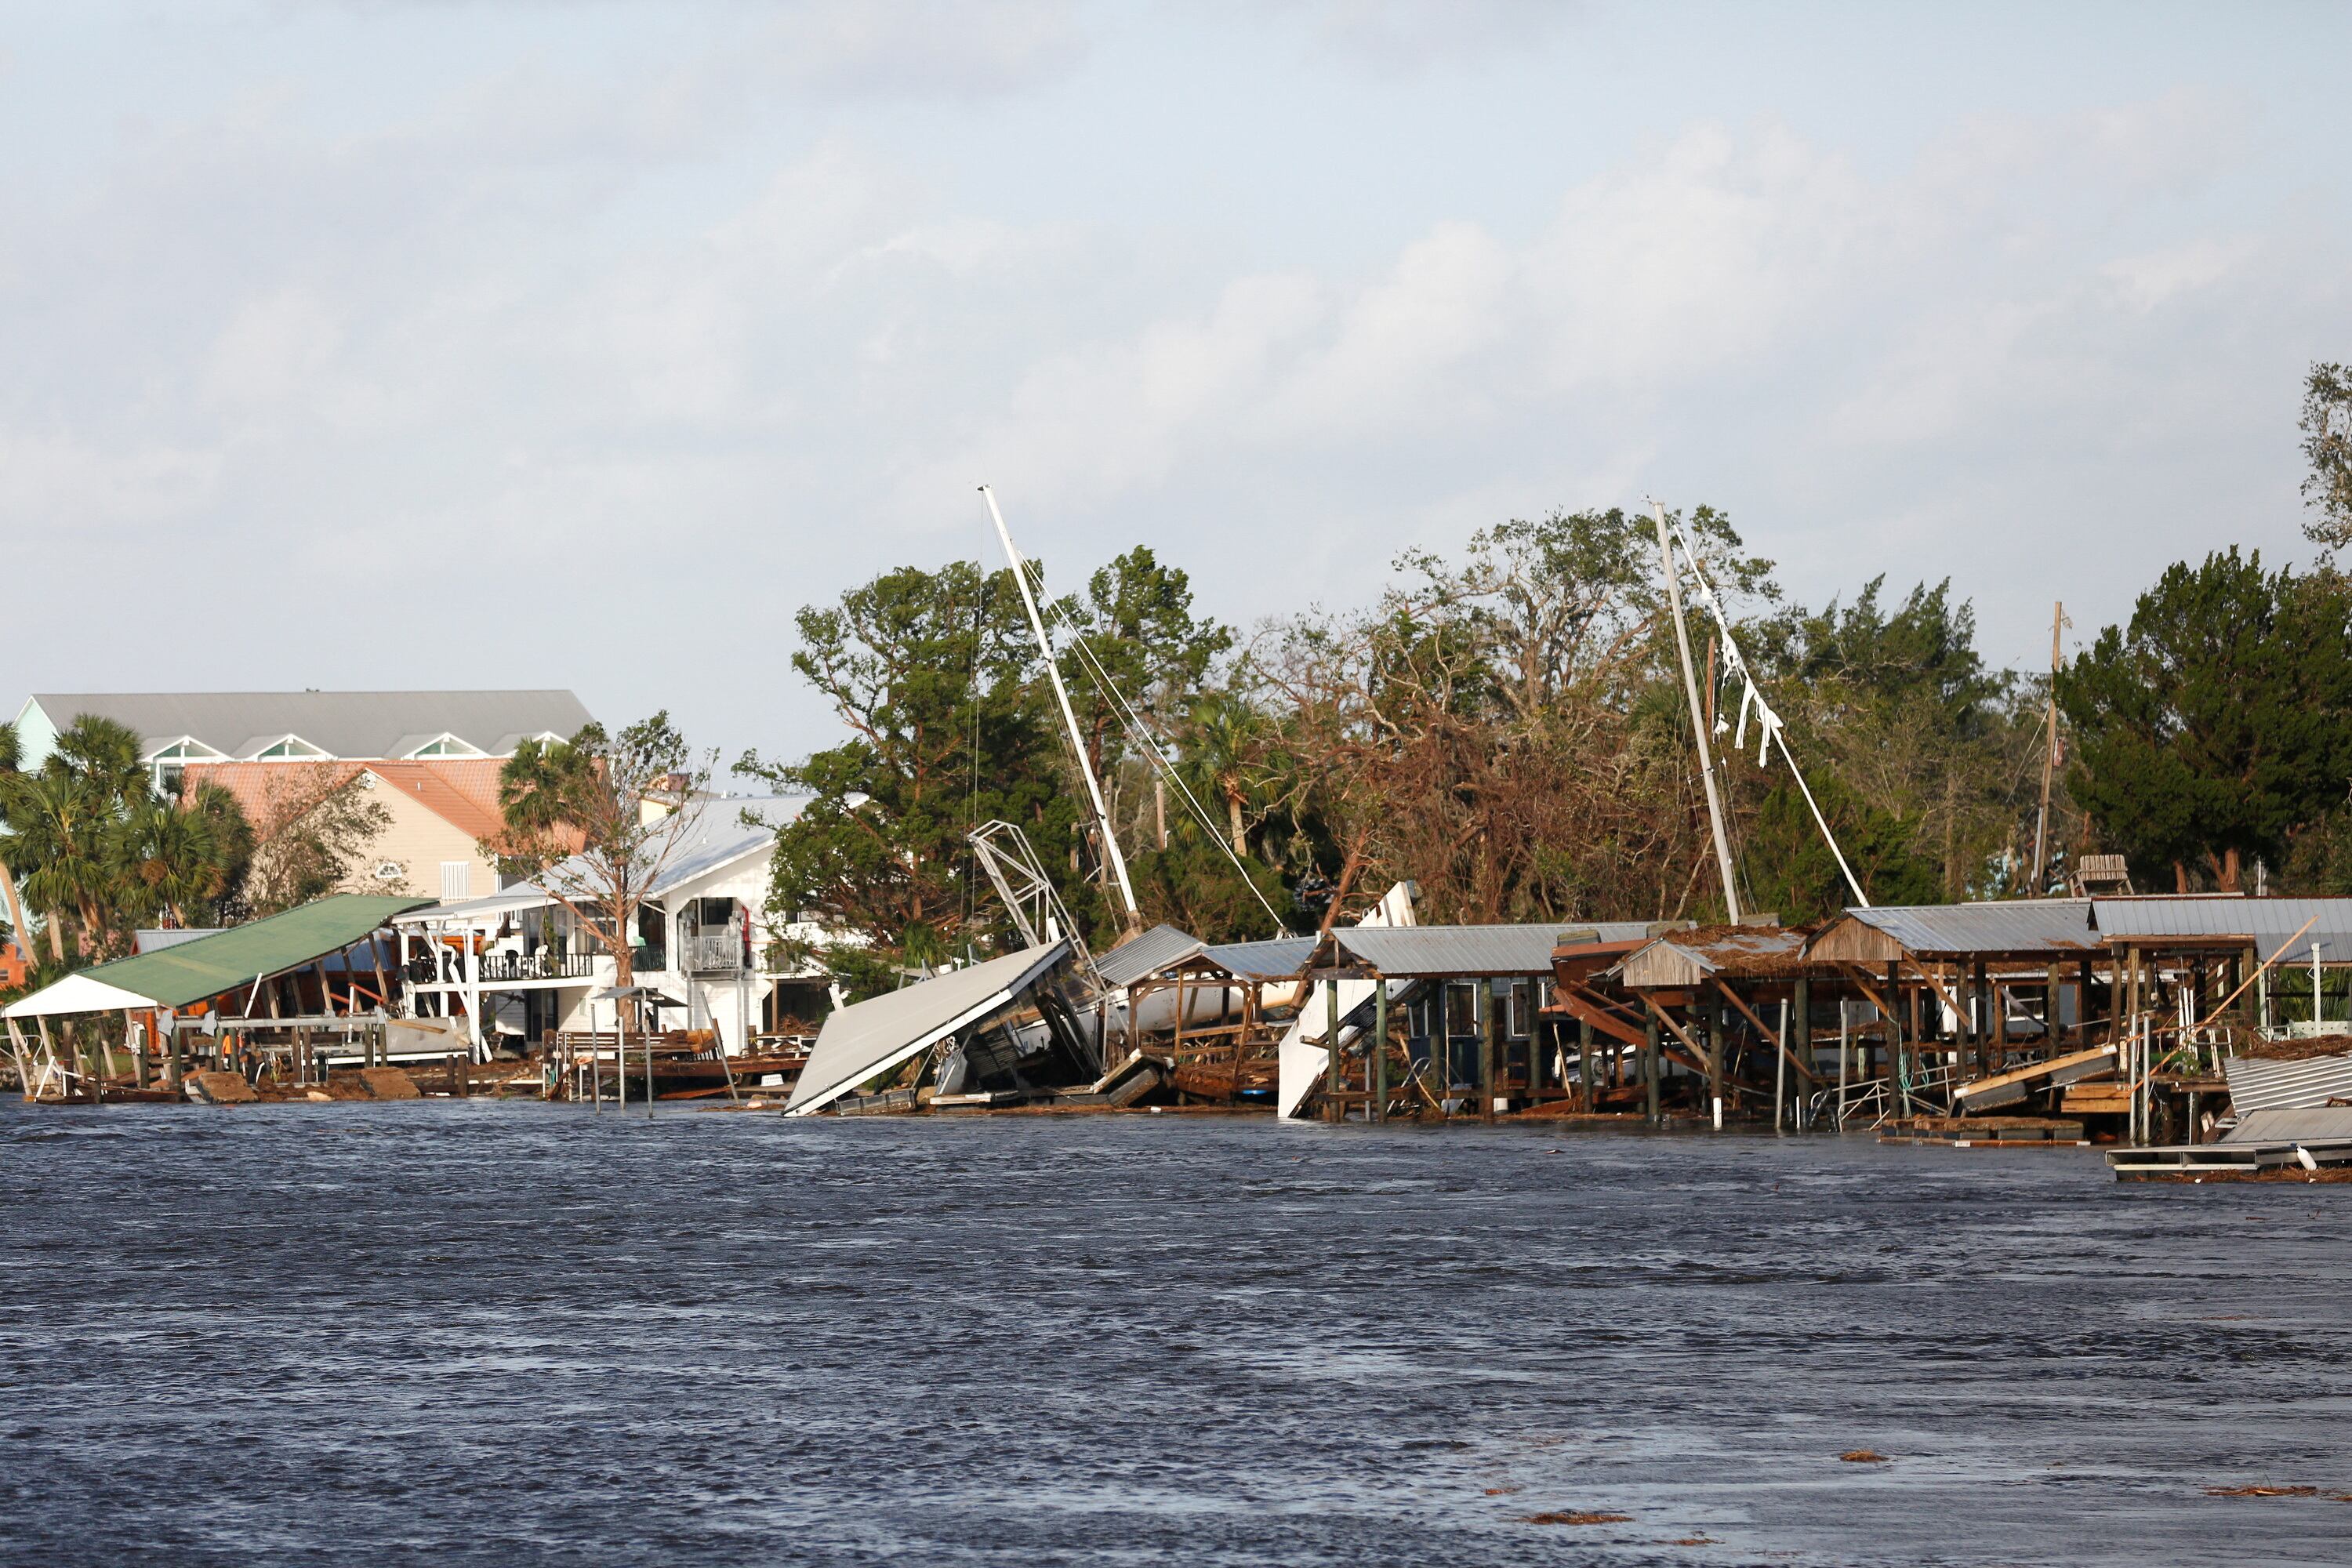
point(77, 994)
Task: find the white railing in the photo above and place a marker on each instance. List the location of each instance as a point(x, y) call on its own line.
point(712, 951)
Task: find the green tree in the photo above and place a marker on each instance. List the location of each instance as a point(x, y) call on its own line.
point(98, 852)
point(937, 679)
point(12, 756)
point(597, 819)
point(2219, 721)
point(1894, 703)
point(2327, 445)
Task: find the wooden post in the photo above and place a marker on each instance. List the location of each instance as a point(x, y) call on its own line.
point(174, 1073)
point(1781, 1070)
point(1441, 1046)
point(1650, 1065)
point(1898, 1079)
point(1711, 1036)
point(1489, 1041)
point(1845, 1045)
point(1980, 1026)
point(1804, 1039)
point(1585, 1061)
point(1378, 1070)
point(1332, 1111)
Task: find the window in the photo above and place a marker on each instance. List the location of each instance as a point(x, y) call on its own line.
point(446, 745)
point(288, 746)
point(455, 878)
point(393, 871)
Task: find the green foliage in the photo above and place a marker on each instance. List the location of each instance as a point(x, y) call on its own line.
point(936, 677)
point(91, 848)
point(1893, 707)
point(2219, 721)
point(596, 819)
point(1790, 871)
point(2327, 446)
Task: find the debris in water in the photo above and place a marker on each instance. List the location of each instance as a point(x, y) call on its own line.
point(1578, 1517)
point(1864, 1457)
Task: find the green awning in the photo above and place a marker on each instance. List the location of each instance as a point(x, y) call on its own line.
point(236, 957)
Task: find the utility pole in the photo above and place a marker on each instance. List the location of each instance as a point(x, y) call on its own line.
point(2049, 754)
point(1117, 861)
point(1698, 721)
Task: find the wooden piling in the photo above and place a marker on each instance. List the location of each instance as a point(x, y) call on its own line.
point(1488, 1033)
point(1650, 1064)
point(1378, 1069)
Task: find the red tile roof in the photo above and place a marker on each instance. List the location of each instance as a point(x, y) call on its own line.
point(463, 792)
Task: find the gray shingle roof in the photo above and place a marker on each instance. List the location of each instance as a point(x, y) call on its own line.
point(363, 724)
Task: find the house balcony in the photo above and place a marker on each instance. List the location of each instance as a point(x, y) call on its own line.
point(507, 969)
point(712, 951)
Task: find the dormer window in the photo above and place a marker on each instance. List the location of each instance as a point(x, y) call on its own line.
point(290, 748)
point(445, 745)
point(168, 763)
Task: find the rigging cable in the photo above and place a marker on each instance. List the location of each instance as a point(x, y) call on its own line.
point(1140, 732)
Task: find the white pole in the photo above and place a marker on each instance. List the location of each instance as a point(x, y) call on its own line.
point(1780, 1068)
point(1061, 695)
point(2316, 1012)
point(1698, 727)
point(1846, 1053)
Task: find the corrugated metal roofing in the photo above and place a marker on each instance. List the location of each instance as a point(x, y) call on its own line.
point(2264, 922)
point(2309, 1124)
point(872, 1037)
point(1961, 931)
point(1404, 952)
point(2256, 1084)
point(1147, 953)
point(1277, 958)
point(240, 955)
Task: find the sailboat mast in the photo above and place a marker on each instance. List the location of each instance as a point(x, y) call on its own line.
point(1698, 722)
point(1069, 717)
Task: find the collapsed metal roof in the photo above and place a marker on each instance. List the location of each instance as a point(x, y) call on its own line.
point(1687, 957)
point(2256, 1084)
point(870, 1038)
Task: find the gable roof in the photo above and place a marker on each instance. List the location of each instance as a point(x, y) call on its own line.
point(358, 724)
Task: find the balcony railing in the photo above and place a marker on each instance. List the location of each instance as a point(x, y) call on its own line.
point(506, 968)
point(713, 951)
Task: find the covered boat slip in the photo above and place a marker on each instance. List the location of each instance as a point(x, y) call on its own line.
point(246, 986)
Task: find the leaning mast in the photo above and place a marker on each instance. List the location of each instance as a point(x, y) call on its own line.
point(1069, 717)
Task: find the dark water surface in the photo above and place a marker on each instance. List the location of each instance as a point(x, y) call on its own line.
point(517, 1334)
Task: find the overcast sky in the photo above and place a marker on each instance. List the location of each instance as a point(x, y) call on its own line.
point(450, 344)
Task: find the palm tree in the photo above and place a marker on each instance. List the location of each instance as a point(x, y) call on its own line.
point(65, 826)
point(12, 756)
point(1224, 736)
point(170, 860)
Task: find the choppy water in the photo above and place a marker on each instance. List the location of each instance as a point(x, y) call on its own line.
point(517, 1334)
